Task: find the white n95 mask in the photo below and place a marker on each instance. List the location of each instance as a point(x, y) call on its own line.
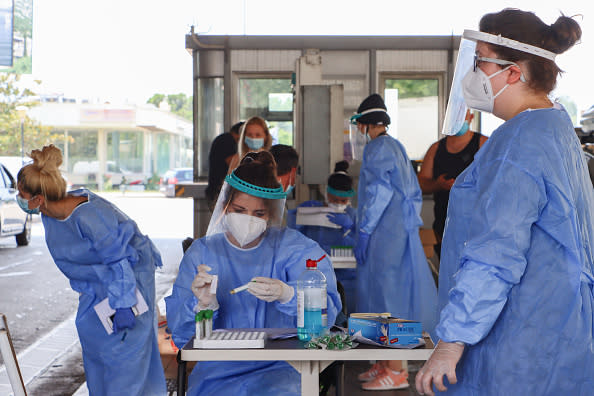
point(477, 90)
point(244, 228)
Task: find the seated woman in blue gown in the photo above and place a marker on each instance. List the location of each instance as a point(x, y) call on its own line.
point(244, 242)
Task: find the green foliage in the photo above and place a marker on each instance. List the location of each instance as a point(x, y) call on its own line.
point(36, 135)
point(23, 27)
point(152, 184)
point(156, 99)
point(413, 88)
point(21, 66)
point(180, 104)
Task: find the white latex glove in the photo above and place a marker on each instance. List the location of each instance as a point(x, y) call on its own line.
point(269, 289)
point(442, 362)
point(201, 287)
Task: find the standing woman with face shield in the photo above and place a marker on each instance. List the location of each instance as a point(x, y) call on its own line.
point(517, 269)
point(392, 271)
point(254, 136)
point(244, 244)
point(103, 253)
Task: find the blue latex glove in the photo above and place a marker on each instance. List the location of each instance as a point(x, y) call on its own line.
point(311, 204)
point(341, 219)
point(123, 319)
point(361, 247)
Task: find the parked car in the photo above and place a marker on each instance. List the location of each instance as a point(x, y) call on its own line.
point(85, 173)
point(13, 221)
point(173, 177)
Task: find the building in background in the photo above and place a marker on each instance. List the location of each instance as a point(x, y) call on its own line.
point(106, 145)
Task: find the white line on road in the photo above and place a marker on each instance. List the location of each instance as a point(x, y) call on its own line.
point(25, 261)
point(15, 274)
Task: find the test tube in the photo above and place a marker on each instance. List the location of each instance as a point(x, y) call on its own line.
point(199, 318)
point(208, 323)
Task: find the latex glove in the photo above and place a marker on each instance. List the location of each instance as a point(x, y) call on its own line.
point(442, 362)
point(201, 286)
point(123, 319)
point(341, 219)
point(361, 245)
point(269, 289)
point(310, 204)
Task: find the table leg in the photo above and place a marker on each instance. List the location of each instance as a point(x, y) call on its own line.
point(181, 375)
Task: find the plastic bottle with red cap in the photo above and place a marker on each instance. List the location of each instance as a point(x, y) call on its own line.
point(312, 303)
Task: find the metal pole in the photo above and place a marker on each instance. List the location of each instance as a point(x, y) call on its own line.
point(22, 142)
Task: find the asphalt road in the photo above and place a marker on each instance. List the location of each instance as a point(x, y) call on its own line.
point(35, 296)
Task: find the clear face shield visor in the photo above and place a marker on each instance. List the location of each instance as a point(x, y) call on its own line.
point(467, 62)
point(357, 138)
point(261, 202)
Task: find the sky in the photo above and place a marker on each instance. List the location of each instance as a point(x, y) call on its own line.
point(124, 51)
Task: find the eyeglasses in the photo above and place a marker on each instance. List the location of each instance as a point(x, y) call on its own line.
point(479, 59)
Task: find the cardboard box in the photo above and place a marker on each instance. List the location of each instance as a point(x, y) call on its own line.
point(428, 240)
point(387, 331)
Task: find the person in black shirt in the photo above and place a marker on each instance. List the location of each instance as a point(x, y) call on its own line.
point(222, 151)
point(443, 162)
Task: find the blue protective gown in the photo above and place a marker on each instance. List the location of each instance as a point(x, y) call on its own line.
point(328, 237)
point(517, 263)
point(103, 253)
point(281, 254)
point(395, 276)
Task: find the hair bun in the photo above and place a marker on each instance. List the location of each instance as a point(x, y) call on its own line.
point(47, 159)
point(341, 166)
point(564, 33)
point(263, 157)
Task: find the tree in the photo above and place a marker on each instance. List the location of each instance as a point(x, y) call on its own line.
point(36, 135)
point(23, 26)
point(180, 104)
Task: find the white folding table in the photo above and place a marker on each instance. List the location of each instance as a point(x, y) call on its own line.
point(308, 362)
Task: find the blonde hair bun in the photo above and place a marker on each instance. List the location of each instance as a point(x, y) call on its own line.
point(48, 159)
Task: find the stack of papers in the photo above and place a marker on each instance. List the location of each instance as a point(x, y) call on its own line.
point(315, 216)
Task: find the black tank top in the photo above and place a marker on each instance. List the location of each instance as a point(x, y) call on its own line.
point(452, 165)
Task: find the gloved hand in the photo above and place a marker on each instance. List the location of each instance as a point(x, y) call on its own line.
point(123, 319)
point(360, 248)
point(201, 289)
point(311, 204)
point(269, 289)
point(442, 362)
point(341, 219)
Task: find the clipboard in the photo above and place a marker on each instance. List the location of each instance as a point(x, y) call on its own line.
point(106, 313)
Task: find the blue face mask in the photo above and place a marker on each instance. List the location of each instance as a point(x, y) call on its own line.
point(254, 144)
point(463, 130)
point(24, 204)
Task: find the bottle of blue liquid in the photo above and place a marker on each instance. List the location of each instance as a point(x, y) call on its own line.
point(312, 304)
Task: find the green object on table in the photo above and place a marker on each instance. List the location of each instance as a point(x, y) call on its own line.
point(336, 341)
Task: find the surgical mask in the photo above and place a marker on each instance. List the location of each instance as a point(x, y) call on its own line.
point(338, 208)
point(254, 143)
point(24, 205)
point(477, 89)
point(463, 130)
point(244, 228)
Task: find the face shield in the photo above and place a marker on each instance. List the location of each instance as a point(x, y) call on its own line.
point(357, 138)
point(467, 62)
point(242, 206)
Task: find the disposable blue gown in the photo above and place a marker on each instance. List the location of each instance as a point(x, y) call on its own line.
point(517, 263)
point(395, 276)
point(328, 237)
point(281, 254)
point(103, 253)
